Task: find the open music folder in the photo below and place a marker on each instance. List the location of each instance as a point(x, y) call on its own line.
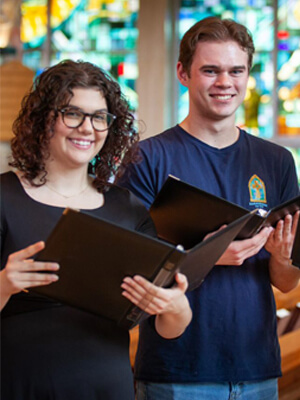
point(183, 213)
point(296, 249)
point(95, 255)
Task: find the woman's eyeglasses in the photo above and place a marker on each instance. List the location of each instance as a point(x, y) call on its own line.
point(74, 118)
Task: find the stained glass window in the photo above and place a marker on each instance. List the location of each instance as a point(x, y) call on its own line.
point(289, 67)
point(100, 31)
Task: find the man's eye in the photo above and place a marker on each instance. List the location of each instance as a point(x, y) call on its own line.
point(237, 71)
point(209, 71)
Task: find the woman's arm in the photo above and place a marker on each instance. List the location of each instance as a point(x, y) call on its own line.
point(171, 306)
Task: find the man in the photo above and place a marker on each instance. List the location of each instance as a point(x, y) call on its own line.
point(230, 350)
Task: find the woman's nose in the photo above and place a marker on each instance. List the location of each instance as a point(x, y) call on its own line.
point(86, 127)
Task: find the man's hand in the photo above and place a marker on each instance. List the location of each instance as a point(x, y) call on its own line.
point(281, 240)
point(283, 275)
point(239, 250)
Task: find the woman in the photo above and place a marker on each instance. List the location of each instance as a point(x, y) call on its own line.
point(73, 130)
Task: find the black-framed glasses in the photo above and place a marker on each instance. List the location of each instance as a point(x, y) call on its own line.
point(74, 118)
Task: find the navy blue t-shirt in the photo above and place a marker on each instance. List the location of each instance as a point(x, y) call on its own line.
point(232, 336)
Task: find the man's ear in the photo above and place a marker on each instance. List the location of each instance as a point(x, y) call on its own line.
point(182, 74)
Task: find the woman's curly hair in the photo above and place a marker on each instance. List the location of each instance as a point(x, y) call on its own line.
point(34, 125)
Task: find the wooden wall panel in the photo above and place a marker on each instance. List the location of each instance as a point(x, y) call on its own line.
point(15, 82)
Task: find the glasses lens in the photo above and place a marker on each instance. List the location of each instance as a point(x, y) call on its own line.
point(102, 120)
point(72, 117)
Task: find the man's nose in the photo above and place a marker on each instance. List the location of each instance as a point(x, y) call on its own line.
point(224, 80)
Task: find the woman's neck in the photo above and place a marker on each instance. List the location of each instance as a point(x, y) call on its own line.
point(67, 182)
point(67, 190)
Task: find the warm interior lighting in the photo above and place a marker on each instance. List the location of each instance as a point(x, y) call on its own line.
point(284, 93)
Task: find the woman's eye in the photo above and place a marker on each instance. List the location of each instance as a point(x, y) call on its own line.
point(73, 114)
point(100, 117)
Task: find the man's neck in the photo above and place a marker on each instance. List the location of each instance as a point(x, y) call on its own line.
point(219, 134)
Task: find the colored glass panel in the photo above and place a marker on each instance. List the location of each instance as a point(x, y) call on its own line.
point(289, 67)
point(100, 31)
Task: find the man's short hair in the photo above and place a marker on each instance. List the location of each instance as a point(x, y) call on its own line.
point(214, 29)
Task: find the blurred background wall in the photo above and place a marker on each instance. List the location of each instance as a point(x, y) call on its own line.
point(137, 41)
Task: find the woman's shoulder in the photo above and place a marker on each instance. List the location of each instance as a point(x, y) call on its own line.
point(9, 181)
point(7, 176)
point(9, 192)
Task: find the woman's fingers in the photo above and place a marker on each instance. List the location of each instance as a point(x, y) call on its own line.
point(30, 265)
point(182, 282)
point(22, 272)
point(139, 291)
point(27, 252)
point(36, 279)
point(151, 298)
point(142, 293)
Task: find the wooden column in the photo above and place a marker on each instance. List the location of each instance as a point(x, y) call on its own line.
point(157, 78)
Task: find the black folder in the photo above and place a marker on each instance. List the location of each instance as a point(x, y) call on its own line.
point(95, 255)
point(185, 214)
point(296, 249)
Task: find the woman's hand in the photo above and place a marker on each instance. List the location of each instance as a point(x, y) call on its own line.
point(21, 272)
point(170, 305)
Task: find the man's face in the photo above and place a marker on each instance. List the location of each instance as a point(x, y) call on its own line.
point(217, 81)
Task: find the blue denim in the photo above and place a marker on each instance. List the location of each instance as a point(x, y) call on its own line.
point(256, 390)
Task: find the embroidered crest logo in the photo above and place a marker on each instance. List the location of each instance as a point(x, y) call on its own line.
point(257, 190)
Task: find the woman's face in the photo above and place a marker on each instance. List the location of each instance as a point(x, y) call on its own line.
point(76, 147)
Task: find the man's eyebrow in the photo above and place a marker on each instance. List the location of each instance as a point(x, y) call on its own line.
point(207, 66)
point(212, 66)
point(239, 67)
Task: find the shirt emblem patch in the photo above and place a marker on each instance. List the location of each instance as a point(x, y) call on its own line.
point(257, 190)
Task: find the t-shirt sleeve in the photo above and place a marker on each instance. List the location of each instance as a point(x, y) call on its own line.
point(289, 187)
point(139, 176)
